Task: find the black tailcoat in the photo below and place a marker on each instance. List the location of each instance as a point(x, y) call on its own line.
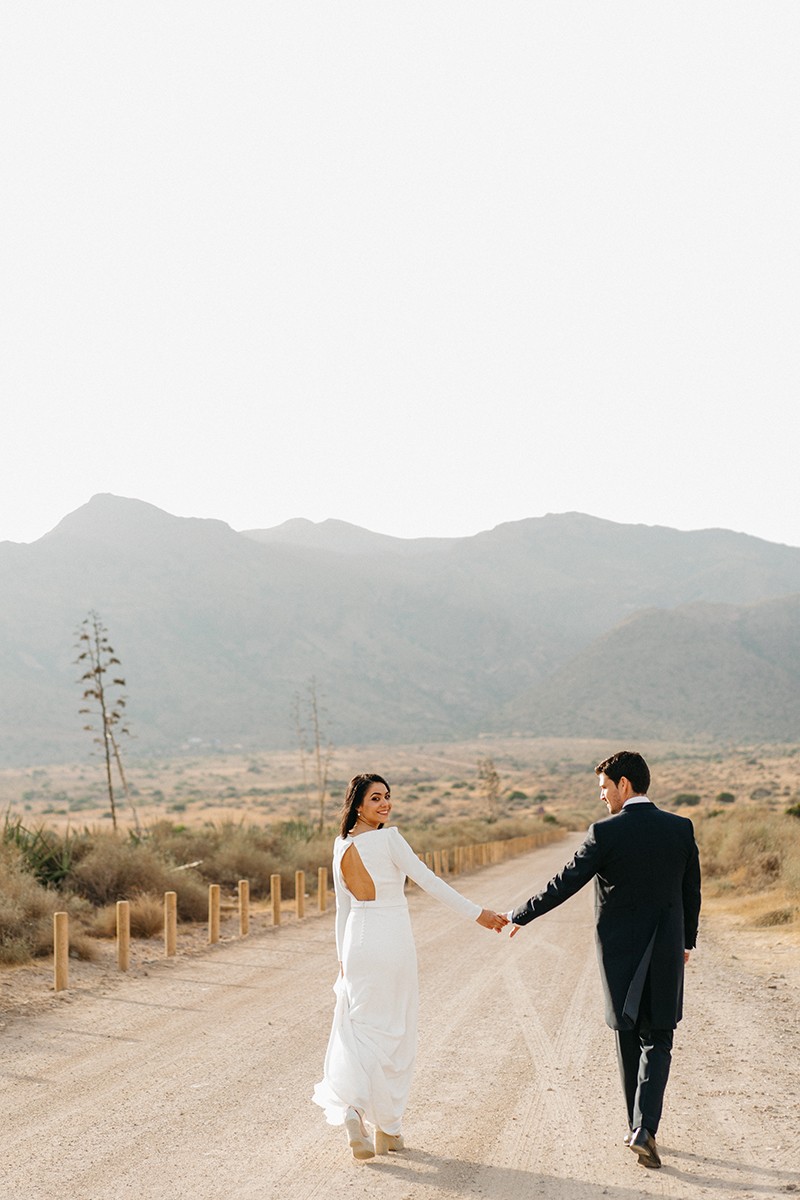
point(647, 902)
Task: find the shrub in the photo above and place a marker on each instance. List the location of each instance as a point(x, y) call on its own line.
point(115, 870)
point(690, 799)
point(44, 853)
point(777, 916)
point(725, 798)
point(147, 918)
point(26, 914)
point(751, 850)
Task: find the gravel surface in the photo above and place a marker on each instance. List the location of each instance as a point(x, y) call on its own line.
point(192, 1077)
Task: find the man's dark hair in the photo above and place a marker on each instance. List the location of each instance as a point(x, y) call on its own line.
point(630, 764)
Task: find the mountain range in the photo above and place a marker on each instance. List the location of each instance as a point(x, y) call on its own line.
point(564, 624)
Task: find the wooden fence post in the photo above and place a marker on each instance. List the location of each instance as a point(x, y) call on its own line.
point(60, 951)
point(170, 923)
point(437, 862)
point(123, 935)
point(322, 889)
point(213, 912)
point(300, 894)
point(275, 898)
point(244, 907)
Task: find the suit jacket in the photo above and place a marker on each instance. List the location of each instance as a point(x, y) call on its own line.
point(646, 870)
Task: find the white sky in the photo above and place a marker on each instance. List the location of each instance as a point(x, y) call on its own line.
point(424, 266)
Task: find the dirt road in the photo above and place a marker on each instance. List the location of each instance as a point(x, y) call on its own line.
point(194, 1081)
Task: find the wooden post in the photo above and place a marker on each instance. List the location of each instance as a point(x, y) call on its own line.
point(322, 889)
point(445, 862)
point(244, 907)
point(300, 894)
point(123, 935)
point(275, 898)
point(170, 923)
point(60, 951)
point(213, 913)
point(437, 862)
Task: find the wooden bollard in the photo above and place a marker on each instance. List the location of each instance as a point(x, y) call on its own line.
point(123, 935)
point(429, 860)
point(322, 888)
point(170, 923)
point(445, 862)
point(300, 894)
point(60, 951)
point(244, 907)
point(275, 898)
point(437, 862)
point(213, 913)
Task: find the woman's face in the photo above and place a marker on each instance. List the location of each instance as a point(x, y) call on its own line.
point(374, 809)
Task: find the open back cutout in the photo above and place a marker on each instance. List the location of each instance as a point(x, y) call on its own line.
point(358, 879)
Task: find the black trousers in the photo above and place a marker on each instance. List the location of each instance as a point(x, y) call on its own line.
point(644, 1057)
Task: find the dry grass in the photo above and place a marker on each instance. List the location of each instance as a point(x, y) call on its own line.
point(26, 915)
point(111, 869)
point(146, 914)
point(751, 863)
point(247, 817)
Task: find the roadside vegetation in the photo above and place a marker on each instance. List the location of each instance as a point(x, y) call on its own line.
point(85, 873)
point(219, 820)
point(753, 855)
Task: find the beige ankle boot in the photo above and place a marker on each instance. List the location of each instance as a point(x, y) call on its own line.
point(386, 1142)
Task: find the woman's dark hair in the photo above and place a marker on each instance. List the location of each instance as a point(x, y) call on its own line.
point(356, 789)
point(630, 764)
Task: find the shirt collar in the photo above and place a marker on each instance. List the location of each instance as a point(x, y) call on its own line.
point(637, 800)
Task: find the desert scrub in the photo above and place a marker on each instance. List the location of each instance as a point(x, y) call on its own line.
point(47, 855)
point(749, 850)
point(111, 869)
point(230, 851)
point(146, 914)
point(26, 914)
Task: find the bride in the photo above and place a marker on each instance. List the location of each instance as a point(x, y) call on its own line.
point(370, 1056)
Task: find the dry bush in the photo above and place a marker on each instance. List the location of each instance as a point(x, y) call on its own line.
point(751, 849)
point(146, 914)
point(231, 851)
point(26, 915)
point(115, 870)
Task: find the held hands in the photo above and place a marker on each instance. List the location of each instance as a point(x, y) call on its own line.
point(491, 920)
point(514, 930)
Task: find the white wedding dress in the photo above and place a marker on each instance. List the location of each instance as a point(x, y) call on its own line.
point(370, 1057)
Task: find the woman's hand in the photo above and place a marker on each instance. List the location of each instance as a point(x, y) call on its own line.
point(491, 920)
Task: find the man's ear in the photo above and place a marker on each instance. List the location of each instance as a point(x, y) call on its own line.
point(624, 788)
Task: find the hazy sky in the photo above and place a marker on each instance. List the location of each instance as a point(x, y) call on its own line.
point(424, 266)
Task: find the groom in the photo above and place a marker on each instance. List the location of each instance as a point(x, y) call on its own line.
point(645, 865)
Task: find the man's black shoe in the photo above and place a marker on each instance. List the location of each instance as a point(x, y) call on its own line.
point(644, 1144)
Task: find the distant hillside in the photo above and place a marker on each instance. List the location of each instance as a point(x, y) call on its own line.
point(699, 670)
point(420, 639)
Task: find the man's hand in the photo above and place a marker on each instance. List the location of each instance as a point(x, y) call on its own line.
point(491, 920)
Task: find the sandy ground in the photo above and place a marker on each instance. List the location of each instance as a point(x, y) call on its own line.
point(191, 1077)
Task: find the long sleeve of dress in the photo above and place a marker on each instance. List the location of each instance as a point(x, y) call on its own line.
point(406, 860)
point(343, 899)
